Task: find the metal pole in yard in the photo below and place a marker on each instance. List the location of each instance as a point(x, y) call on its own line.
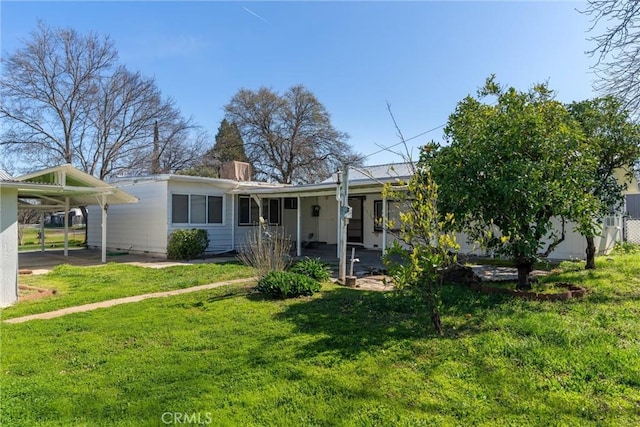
point(344, 216)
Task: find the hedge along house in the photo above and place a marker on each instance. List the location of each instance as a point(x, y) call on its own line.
point(229, 209)
point(54, 189)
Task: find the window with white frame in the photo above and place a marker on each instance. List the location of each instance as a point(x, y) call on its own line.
point(196, 209)
point(393, 215)
point(249, 212)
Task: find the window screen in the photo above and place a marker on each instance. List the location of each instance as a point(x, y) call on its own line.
point(215, 210)
point(198, 209)
point(180, 209)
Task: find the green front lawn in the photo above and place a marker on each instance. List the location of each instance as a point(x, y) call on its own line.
point(83, 285)
point(343, 357)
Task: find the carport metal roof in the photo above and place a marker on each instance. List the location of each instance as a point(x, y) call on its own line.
point(63, 187)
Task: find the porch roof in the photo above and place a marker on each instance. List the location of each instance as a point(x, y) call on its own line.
point(310, 190)
point(366, 179)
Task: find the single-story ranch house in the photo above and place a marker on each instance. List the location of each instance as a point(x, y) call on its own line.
point(229, 208)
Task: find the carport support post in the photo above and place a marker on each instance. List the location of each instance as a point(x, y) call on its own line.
point(42, 232)
point(299, 229)
point(104, 206)
point(66, 226)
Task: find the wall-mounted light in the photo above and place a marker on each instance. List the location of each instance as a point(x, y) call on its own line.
point(338, 176)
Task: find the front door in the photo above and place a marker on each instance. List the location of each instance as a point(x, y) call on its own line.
point(355, 231)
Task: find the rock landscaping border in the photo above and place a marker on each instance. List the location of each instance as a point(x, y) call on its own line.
point(572, 291)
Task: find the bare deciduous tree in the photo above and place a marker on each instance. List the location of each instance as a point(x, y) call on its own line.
point(66, 100)
point(288, 138)
point(617, 49)
point(44, 91)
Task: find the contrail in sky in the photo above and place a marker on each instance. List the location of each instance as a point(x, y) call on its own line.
point(256, 15)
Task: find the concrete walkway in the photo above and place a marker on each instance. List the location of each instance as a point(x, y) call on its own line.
point(126, 300)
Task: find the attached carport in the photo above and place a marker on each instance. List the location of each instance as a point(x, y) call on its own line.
point(55, 189)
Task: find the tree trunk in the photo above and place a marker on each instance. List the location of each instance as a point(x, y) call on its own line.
point(524, 266)
point(591, 254)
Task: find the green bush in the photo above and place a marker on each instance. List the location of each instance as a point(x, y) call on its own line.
point(187, 244)
point(623, 248)
point(285, 284)
point(313, 268)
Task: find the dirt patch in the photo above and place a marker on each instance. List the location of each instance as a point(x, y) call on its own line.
point(373, 283)
point(31, 292)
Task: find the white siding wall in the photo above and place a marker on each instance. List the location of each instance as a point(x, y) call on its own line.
point(310, 225)
point(138, 227)
point(573, 247)
point(371, 237)
point(8, 246)
point(220, 238)
point(328, 220)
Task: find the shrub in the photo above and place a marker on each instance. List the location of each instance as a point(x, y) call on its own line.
point(313, 268)
point(265, 249)
point(187, 244)
point(285, 284)
point(622, 248)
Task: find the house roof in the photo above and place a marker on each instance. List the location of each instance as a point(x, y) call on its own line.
point(4, 176)
point(55, 186)
point(363, 179)
point(377, 172)
point(223, 183)
point(366, 179)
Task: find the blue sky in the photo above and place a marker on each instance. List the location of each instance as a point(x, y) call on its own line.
point(421, 57)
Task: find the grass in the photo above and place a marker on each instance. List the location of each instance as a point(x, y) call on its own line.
point(54, 238)
point(83, 285)
point(342, 357)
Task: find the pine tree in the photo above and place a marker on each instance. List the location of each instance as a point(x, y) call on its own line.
point(229, 144)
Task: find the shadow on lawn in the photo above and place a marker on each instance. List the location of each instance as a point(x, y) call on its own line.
point(350, 321)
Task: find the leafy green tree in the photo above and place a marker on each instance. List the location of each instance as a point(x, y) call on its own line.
point(417, 266)
point(229, 144)
point(512, 167)
point(614, 140)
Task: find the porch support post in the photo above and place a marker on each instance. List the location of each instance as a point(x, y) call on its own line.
point(384, 225)
point(260, 217)
point(339, 228)
point(66, 226)
point(42, 232)
point(104, 208)
point(299, 228)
